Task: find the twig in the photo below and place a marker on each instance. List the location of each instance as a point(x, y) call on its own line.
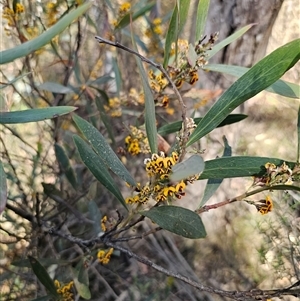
point(137, 236)
point(241, 197)
point(235, 295)
point(165, 73)
point(255, 294)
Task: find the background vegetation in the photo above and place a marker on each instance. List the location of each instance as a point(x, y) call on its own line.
point(65, 233)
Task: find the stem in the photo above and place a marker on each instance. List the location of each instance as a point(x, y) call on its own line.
point(165, 73)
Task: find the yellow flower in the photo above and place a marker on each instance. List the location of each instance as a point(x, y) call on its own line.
point(103, 221)
point(264, 206)
point(64, 291)
point(19, 8)
point(104, 256)
point(124, 7)
point(157, 30)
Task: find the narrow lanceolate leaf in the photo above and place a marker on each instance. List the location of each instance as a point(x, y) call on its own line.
point(280, 87)
point(28, 47)
point(3, 188)
point(98, 168)
point(55, 88)
point(95, 216)
point(81, 281)
point(259, 77)
point(239, 166)
point(43, 276)
point(34, 115)
point(176, 126)
point(202, 11)
point(103, 149)
point(118, 78)
point(177, 22)
point(150, 120)
point(228, 40)
point(4, 85)
point(178, 220)
point(192, 166)
point(298, 130)
point(213, 184)
point(82, 289)
point(65, 165)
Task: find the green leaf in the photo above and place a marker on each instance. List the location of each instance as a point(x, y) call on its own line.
point(55, 88)
point(258, 78)
point(202, 12)
point(150, 120)
point(228, 40)
point(103, 115)
point(192, 55)
point(82, 289)
point(280, 87)
point(99, 81)
point(95, 216)
point(192, 166)
point(103, 149)
point(118, 78)
point(81, 281)
point(3, 189)
point(178, 220)
point(178, 19)
point(13, 80)
point(176, 126)
point(26, 48)
point(42, 274)
point(298, 130)
point(239, 166)
point(83, 276)
point(213, 184)
point(65, 165)
point(98, 168)
point(34, 114)
point(126, 19)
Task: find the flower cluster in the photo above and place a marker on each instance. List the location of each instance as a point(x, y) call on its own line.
point(135, 98)
point(12, 16)
point(276, 175)
point(123, 10)
point(158, 83)
point(52, 11)
point(188, 65)
point(64, 291)
point(113, 108)
point(158, 169)
point(104, 256)
point(154, 33)
point(103, 223)
point(137, 142)
point(264, 206)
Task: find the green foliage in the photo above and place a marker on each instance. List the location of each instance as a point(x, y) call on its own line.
point(259, 77)
point(28, 47)
point(43, 276)
point(97, 167)
point(3, 188)
point(178, 220)
point(59, 191)
point(34, 115)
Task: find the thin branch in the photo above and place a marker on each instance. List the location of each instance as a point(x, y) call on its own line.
point(241, 197)
point(255, 294)
point(165, 73)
